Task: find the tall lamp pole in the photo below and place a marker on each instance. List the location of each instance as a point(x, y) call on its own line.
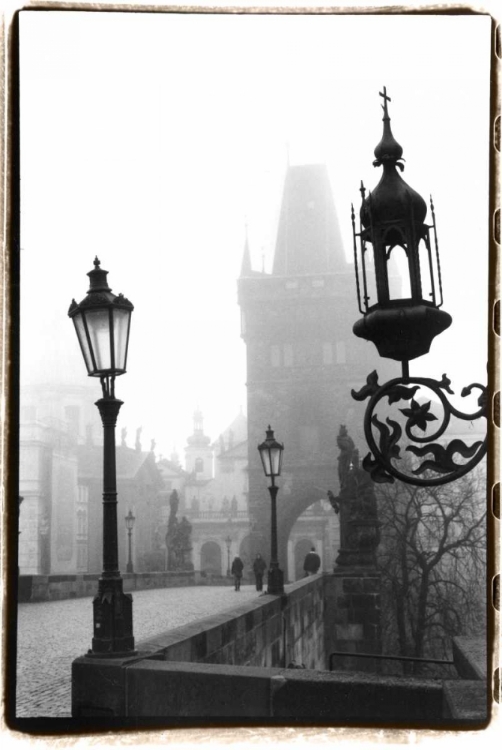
point(228, 542)
point(102, 323)
point(271, 457)
point(129, 522)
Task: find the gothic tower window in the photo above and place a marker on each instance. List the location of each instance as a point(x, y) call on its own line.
point(199, 465)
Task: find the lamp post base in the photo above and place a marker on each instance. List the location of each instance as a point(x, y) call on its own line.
point(112, 610)
point(275, 581)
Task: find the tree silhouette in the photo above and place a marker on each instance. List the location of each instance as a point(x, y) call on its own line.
point(433, 562)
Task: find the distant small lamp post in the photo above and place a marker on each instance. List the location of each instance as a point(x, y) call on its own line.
point(129, 522)
point(402, 327)
point(228, 542)
point(102, 321)
point(271, 457)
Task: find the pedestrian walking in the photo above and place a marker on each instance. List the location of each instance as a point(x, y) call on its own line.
point(259, 568)
point(236, 570)
point(312, 563)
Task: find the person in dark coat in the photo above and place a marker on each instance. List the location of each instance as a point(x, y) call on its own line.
point(312, 563)
point(236, 570)
point(259, 568)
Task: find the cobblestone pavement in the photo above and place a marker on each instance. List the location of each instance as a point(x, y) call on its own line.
point(52, 634)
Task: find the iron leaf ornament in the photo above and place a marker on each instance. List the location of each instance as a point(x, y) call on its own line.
point(419, 414)
point(390, 440)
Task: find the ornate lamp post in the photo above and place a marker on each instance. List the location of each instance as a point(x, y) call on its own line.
point(102, 322)
point(228, 542)
point(129, 522)
point(402, 328)
point(271, 457)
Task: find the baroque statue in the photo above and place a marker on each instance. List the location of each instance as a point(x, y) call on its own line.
point(356, 504)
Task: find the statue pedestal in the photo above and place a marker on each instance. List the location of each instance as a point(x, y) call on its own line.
point(353, 618)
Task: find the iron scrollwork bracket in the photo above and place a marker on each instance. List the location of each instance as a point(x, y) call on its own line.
point(386, 439)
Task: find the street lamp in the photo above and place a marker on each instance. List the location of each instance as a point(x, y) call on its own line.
point(102, 323)
point(402, 328)
point(129, 522)
point(271, 457)
point(228, 542)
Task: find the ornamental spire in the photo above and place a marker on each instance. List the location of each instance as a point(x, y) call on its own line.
point(388, 150)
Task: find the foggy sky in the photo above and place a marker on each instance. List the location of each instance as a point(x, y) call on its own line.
point(152, 140)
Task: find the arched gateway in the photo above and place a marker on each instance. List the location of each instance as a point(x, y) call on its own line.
point(302, 357)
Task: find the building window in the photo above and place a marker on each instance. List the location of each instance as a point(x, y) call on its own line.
point(327, 353)
point(199, 465)
point(288, 355)
point(81, 523)
point(317, 282)
point(341, 356)
point(275, 356)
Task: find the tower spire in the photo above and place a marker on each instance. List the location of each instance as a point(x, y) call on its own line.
point(246, 269)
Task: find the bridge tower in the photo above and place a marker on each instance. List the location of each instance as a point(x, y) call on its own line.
point(302, 357)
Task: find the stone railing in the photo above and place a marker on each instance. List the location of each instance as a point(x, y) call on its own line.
point(37, 588)
point(217, 515)
point(267, 658)
point(269, 631)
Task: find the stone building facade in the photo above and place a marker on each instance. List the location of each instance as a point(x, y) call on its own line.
point(61, 486)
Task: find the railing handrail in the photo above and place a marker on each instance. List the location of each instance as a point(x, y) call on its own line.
point(387, 656)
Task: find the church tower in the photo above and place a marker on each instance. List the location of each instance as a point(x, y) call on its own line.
point(198, 452)
point(302, 357)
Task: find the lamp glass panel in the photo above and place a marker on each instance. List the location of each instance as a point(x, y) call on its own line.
point(426, 274)
point(120, 335)
point(82, 339)
point(98, 323)
point(275, 460)
point(265, 459)
point(129, 520)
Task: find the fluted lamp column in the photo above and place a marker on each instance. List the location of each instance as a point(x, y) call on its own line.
point(102, 322)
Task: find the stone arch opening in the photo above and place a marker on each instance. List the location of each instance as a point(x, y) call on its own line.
point(317, 526)
point(302, 547)
point(210, 559)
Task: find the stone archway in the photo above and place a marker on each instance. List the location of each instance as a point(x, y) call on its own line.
point(210, 558)
point(318, 526)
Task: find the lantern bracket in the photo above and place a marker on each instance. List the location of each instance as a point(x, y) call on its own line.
point(387, 438)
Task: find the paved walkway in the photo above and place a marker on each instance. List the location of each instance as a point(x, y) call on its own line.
point(52, 634)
